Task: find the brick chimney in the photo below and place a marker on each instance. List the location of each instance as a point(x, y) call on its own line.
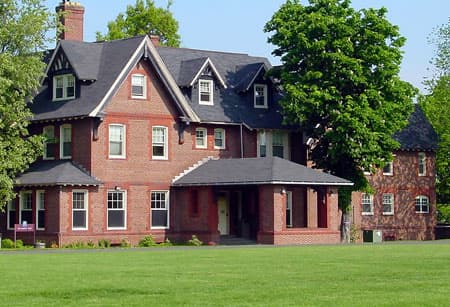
point(72, 19)
point(155, 39)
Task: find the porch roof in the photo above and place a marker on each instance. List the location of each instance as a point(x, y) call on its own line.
point(256, 171)
point(55, 173)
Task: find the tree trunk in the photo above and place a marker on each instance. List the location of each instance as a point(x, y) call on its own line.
point(345, 227)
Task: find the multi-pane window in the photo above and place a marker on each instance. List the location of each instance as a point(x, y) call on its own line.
point(40, 207)
point(260, 100)
point(116, 141)
point(138, 88)
point(65, 141)
point(11, 215)
point(200, 138)
point(262, 143)
point(388, 204)
point(205, 92)
point(388, 169)
point(26, 207)
point(278, 144)
point(219, 138)
point(159, 143)
point(422, 204)
point(288, 209)
point(422, 164)
point(367, 204)
point(63, 87)
point(79, 210)
point(49, 142)
point(160, 209)
point(116, 210)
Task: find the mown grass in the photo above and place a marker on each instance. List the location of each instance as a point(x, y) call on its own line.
point(356, 275)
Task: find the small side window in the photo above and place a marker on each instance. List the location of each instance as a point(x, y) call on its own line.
point(138, 86)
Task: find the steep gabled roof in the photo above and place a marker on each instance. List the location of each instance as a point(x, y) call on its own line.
point(268, 170)
point(247, 75)
point(191, 70)
point(418, 135)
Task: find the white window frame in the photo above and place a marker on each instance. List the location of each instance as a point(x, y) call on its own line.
point(210, 83)
point(256, 91)
point(124, 209)
point(289, 208)
point(422, 171)
point(123, 141)
point(366, 199)
point(221, 131)
point(49, 133)
point(392, 202)
point(167, 208)
point(21, 206)
point(262, 141)
point(85, 209)
point(159, 143)
point(142, 78)
point(204, 138)
point(390, 172)
point(419, 202)
point(66, 80)
point(62, 136)
point(40, 206)
point(10, 205)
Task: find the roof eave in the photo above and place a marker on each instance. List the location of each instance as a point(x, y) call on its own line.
point(275, 182)
point(216, 73)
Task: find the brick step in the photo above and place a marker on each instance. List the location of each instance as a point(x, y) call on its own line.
point(233, 240)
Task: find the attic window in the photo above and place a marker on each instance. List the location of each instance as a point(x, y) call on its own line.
point(63, 87)
point(138, 88)
point(260, 100)
point(205, 92)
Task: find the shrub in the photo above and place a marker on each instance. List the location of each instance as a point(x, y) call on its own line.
point(355, 234)
point(195, 241)
point(147, 241)
point(7, 243)
point(19, 244)
point(166, 243)
point(54, 244)
point(104, 243)
point(125, 243)
point(90, 244)
point(443, 213)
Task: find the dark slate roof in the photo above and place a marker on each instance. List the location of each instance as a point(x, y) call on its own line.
point(56, 172)
point(418, 134)
point(268, 170)
point(236, 69)
point(101, 62)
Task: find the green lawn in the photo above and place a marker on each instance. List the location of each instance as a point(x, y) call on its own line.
point(363, 275)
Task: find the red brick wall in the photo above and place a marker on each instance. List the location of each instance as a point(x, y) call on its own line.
point(72, 21)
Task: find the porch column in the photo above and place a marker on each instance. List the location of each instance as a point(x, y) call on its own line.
point(333, 210)
point(311, 201)
point(271, 212)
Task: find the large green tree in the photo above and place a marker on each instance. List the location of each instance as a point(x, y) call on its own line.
point(144, 18)
point(436, 106)
point(340, 78)
point(23, 30)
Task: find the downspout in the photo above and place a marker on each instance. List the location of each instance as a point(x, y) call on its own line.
point(242, 142)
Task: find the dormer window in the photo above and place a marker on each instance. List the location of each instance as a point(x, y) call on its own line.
point(260, 99)
point(63, 87)
point(138, 88)
point(205, 92)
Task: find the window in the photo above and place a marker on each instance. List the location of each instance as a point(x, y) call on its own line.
point(422, 164)
point(278, 144)
point(422, 204)
point(160, 209)
point(40, 207)
point(79, 210)
point(205, 92)
point(11, 214)
point(388, 169)
point(388, 204)
point(116, 210)
point(138, 86)
point(26, 207)
point(367, 204)
point(63, 87)
point(288, 209)
point(116, 141)
point(262, 143)
point(49, 142)
point(219, 138)
point(65, 141)
point(200, 138)
point(159, 143)
point(260, 100)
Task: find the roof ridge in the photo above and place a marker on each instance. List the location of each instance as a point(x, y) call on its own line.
point(206, 50)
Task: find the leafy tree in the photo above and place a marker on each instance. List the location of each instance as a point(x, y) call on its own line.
point(436, 106)
point(24, 25)
point(340, 77)
point(144, 18)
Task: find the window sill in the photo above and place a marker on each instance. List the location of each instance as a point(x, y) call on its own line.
point(79, 229)
point(116, 228)
point(159, 228)
point(367, 214)
point(419, 212)
point(160, 158)
point(389, 213)
point(117, 157)
point(206, 103)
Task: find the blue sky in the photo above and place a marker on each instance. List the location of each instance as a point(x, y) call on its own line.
point(237, 25)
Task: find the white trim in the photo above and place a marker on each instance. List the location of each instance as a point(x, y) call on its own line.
point(55, 52)
point(167, 204)
point(21, 199)
point(222, 131)
point(197, 75)
point(166, 142)
point(124, 208)
point(264, 86)
point(370, 203)
point(420, 197)
point(65, 81)
point(422, 157)
point(10, 205)
point(391, 169)
point(205, 138)
point(256, 75)
point(38, 203)
point(61, 141)
point(44, 155)
point(144, 87)
point(124, 138)
point(210, 83)
point(86, 209)
point(304, 183)
point(289, 208)
point(392, 204)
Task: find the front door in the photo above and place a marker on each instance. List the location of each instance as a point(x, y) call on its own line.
point(224, 220)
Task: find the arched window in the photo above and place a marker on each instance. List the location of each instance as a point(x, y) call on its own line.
point(422, 204)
